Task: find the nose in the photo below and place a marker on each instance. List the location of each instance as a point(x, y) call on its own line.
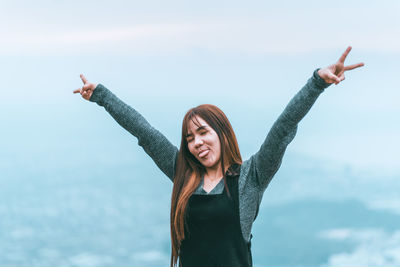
point(198, 141)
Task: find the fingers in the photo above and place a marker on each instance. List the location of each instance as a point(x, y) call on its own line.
point(83, 79)
point(86, 95)
point(344, 55)
point(333, 78)
point(85, 88)
point(353, 66)
point(86, 91)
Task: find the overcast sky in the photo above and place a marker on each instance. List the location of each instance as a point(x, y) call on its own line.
point(264, 50)
point(178, 54)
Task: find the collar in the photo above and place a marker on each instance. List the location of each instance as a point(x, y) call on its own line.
point(233, 170)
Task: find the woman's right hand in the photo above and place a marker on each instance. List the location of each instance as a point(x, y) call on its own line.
point(87, 89)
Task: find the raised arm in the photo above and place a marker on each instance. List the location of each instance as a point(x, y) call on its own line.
point(268, 159)
point(153, 142)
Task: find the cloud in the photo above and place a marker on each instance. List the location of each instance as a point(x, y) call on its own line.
point(321, 179)
point(336, 234)
point(375, 248)
point(258, 27)
point(392, 205)
point(249, 36)
point(357, 235)
point(138, 36)
point(145, 258)
point(22, 232)
point(90, 260)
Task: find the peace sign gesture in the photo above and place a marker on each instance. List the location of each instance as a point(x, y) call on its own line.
point(87, 89)
point(335, 72)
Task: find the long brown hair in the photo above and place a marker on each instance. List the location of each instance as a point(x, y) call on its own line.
point(189, 170)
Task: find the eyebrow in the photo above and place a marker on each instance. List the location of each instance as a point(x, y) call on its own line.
point(197, 130)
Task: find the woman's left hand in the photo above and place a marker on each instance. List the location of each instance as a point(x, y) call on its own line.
point(335, 72)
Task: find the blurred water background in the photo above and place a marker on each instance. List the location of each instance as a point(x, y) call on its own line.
point(77, 191)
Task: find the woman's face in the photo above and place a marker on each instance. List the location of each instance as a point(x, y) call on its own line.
point(203, 143)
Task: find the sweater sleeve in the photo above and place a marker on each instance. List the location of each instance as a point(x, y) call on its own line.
point(156, 145)
point(268, 159)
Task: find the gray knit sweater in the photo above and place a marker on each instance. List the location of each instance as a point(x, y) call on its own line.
point(255, 173)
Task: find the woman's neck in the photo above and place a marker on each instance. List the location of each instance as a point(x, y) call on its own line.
point(215, 173)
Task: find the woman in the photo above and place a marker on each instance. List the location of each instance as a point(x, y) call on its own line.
point(216, 196)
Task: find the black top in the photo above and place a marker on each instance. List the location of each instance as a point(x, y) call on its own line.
point(213, 236)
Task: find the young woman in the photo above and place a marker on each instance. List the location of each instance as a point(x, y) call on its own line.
point(216, 196)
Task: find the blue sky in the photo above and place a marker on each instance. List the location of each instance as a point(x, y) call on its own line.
point(163, 57)
point(135, 28)
point(215, 52)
